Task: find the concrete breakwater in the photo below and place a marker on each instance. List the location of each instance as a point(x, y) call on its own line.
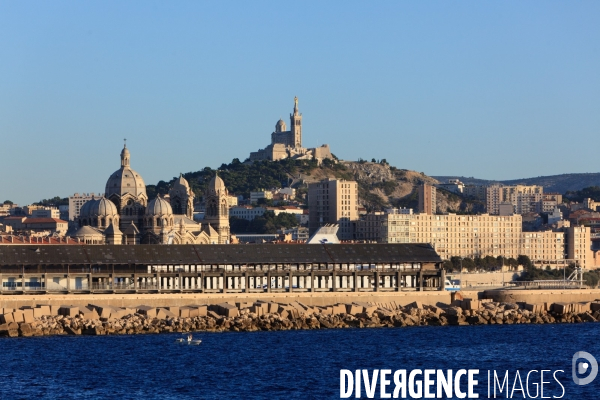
point(263, 315)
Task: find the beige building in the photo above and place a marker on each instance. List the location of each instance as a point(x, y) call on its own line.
point(544, 247)
point(288, 143)
point(521, 196)
point(427, 199)
point(486, 235)
point(260, 194)
point(46, 212)
point(333, 201)
point(579, 245)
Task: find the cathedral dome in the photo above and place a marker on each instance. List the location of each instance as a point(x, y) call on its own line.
point(99, 208)
point(125, 180)
point(85, 208)
point(280, 126)
point(181, 184)
point(158, 207)
point(216, 185)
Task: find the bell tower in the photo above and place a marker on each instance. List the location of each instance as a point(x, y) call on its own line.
point(296, 125)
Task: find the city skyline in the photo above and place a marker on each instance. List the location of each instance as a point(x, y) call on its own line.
point(485, 90)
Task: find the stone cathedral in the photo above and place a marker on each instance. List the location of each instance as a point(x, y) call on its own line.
point(288, 144)
point(125, 216)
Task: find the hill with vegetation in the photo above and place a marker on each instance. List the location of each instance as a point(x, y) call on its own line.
point(380, 185)
point(552, 184)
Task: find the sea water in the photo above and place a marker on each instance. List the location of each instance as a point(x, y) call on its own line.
point(282, 365)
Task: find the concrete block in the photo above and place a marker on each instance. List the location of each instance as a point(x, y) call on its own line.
point(174, 310)
point(88, 313)
point(18, 316)
point(184, 312)
point(28, 315)
point(68, 311)
point(193, 311)
point(6, 318)
point(256, 310)
point(595, 306)
point(586, 306)
point(40, 311)
point(471, 304)
point(353, 309)
point(415, 304)
point(213, 314)
point(163, 313)
point(148, 311)
point(202, 311)
point(560, 308)
point(339, 309)
point(226, 310)
point(273, 307)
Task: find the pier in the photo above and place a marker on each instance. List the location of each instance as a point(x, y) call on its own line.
point(281, 268)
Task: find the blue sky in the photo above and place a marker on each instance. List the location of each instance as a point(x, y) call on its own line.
point(496, 90)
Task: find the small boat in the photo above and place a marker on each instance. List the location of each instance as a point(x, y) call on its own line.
point(190, 340)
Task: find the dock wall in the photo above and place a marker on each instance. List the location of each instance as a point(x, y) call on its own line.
point(312, 299)
point(182, 299)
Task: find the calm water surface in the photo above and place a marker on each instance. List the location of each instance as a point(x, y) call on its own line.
point(279, 365)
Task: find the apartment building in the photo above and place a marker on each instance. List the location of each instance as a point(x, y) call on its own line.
point(542, 247)
point(519, 195)
point(579, 245)
point(476, 191)
point(369, 227)
point(247, 212)
point(258, 195)
point(333, 201)
point(46, 212)
point(427, 199)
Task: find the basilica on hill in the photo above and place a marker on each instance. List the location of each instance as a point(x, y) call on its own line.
point(125, 216)
point(288, 144)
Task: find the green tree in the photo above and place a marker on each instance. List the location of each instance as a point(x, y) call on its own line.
point(8, 202)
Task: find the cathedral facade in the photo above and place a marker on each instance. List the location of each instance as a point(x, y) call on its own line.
point(288, 144)
point(125, 216)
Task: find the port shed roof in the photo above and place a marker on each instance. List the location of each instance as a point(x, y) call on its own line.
point(217, 254)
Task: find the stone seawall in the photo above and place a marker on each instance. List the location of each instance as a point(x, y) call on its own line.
point(264, 315)
point(541, 296)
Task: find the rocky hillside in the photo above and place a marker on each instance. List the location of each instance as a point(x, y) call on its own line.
point(380, 185)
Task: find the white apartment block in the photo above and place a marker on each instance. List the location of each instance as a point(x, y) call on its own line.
point(247, 212)
point(521, 196)
point(453, 185)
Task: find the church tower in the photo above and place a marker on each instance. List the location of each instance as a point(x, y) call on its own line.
point(216, 213)
point(182, 198)
point(296, 126)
